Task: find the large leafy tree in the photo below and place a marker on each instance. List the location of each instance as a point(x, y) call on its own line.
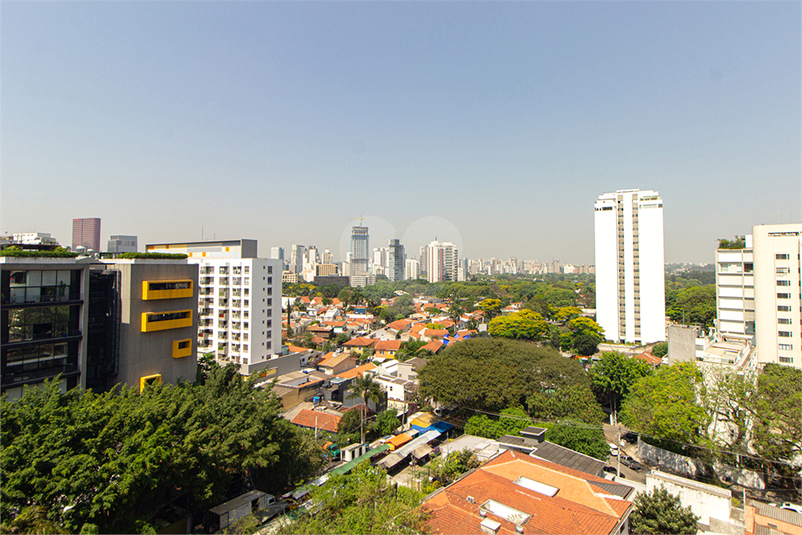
point(660, 512)
point(510, 422)
point(362, 501)
point(571, 402)
point(492, 374)
point(694, 305)
point(614, 374)
point(113, 460)
point(523, 325)
point(777, 412)
point(666, 404)
point(584, 439)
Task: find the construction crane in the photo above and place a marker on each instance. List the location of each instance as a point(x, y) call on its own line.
point(360, 218)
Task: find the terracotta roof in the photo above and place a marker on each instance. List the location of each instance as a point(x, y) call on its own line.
point(335, 301)
point(326, 358)
point(360, 342)
point(387, 345)
point(434, 346)
point(651, 359)
point(356, 372)
point(578, 507)
point(298, 349)
point(334, 323)
point(418, 327)
point(398, 325)
point(334, 361)
point(319, 328)
point(435, 332)
point(325, 421)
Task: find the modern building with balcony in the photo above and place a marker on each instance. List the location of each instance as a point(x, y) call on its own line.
point(735, 288)
point(239, 301)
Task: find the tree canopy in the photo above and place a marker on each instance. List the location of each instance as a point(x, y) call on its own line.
point(493, 374)
point(614, 374)
point(523, 325)
point(113, 460)
point(659, 512)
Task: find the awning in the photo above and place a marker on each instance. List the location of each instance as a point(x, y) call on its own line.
point(422, 451)
point(390, 461)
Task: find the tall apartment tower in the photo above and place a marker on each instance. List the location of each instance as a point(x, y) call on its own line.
point(239, 301)
point(396, 261)
point(297, 255)
point(735, 290)
point(630, 271)
point(359, 250)
point(442, 261)
point(277, 253)
point(778, 298)
point(86, 233)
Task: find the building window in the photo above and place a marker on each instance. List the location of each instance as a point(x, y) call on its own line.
point(783, 283)
point(155, 379)
point(247, 269)
point(270, 270)
point(182, 348)
point(785, 334)
point(166, 289)
point(786, 347)
point(784, 321)
point(783, 296)
point(783, 308)
point(786, 360)
point(159, 321)
point(781, 256)
point(783, 270)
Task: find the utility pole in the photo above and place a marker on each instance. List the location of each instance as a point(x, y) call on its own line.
point(315, 428)
point(618, 449)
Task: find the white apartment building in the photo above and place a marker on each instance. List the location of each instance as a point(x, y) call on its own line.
point(411, 269)
point(630, 272)
point(239, 301)
point(442, 261)
point(735, 290)
point(778, 299)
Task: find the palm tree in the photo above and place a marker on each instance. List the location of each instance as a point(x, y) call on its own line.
point(369, 390)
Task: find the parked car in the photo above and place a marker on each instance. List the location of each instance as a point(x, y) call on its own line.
point(631, 437)
point(613, 449)
point(626, 460)
point(788, 506)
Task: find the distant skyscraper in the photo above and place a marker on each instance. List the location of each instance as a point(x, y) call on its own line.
point(442, 261)
point(277, 253)
point(86, 233)
point(122, 244)
point(396, 261)
point(412, 269)
point(297, 258)
point(630, 271)
point(359, 250)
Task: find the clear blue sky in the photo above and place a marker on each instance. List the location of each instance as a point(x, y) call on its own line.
point(492, 124)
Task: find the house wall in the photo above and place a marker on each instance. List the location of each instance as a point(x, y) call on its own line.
point(706, 501)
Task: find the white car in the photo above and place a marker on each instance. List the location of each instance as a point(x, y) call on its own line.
point(613, 449)
point(788, 506)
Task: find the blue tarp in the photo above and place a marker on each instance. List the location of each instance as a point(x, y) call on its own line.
point(440, 427)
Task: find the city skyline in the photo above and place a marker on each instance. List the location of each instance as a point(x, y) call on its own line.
point(490, 125)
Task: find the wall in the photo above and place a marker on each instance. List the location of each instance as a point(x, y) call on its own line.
point(671, 461)
point(706, 501)
point(681, 344)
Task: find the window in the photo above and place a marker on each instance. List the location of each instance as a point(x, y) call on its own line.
point(784, 321)
point(166, 289)
point(270, 270)
point(247, 269)
point(149, 380)
point(786, 360)
point(783, 270)
point(182, 348)
point(781, 256)
point(785, 334)
point(159, 321)
point(783, 283)
point(270, 302)
point(783, 296)
point(786, 347)
point(783, 308)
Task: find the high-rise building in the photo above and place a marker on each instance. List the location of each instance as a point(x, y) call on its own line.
point(735, 289)
point(359, 250)
point(396, 261)
point(122, 244)
point(442, 261)
point(277, 253)
point(86, 233)
point(412, 269)
point(778, 295)
point(297, 258)
point(630, 271)
point(239, 304)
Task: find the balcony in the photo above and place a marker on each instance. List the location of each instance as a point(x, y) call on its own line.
point(223, 281)
point(224, 270)
point(236, 281)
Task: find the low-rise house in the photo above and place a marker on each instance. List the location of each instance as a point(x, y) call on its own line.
point(399, 392)
point(408, 370)
point(325, 421)
point(337, 364)
point(360, 343)
point(434, 346)
point(764, 519)
point(387, 348)
point(515, 493)
point(296, 387)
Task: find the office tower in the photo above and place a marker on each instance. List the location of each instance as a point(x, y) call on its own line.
point(297, 258)
point(381, 257)
point(630, 272)
point(277, 253)
point(462, 270)
point(778, 298)
point(327, 257)
point(396, 261)
point(442, 261)
point(359, 250)
point(86, 233)
point(122, 244)
point(239, 301)
point(735, 289)
point(412, 269)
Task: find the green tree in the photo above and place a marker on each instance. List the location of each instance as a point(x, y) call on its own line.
point(362, 501)
point(510, 422)
point(495, 373)
point(589, 441)
point(386, 423)
point(564, 314)
point(666, 404)
point(369, 390)
point(660, 350)
point(614, 374)
point(571, 402)
point(449, 468)
point(523, 325)
point(491, 307)
point(694, 305)
point(585, 344)
point(659, 512)
point(777, 432)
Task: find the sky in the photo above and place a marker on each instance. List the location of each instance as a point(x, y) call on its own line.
point(492, 125)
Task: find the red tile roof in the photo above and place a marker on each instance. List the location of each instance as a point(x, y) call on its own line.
point(356, 372)
point(325, 421)
point(387, 345)
point(651, 359)
point(360, 342)
point(398, 325)
point(434, 346)
point(578, 508)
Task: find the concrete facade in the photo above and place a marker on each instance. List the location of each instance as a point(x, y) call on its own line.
point(706, 501)
point(146, 353)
